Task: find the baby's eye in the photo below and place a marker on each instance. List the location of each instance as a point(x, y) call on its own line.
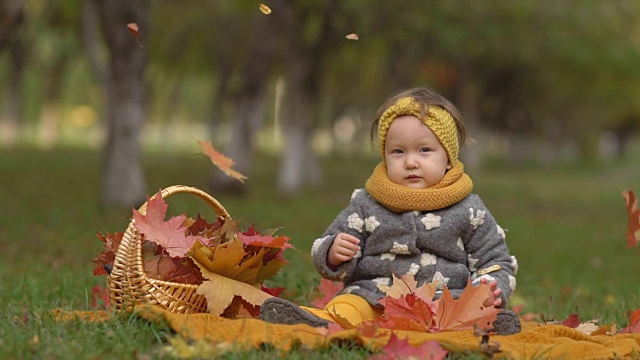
point(425, 149)
point(397, 151)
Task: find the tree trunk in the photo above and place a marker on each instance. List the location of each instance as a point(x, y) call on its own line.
point(11, 17)
point(123, 181)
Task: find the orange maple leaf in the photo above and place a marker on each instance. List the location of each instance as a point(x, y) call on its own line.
point(222, 162)
point(169, 234)
point(633, 226)
point(634, 324)
point(463, 313)
point(329, 289)
point(220, 291)
point(407, 284)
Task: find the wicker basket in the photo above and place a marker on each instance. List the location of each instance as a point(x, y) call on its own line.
point(128, 283)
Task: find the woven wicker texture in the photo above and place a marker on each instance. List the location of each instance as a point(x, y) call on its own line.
point(128, 283)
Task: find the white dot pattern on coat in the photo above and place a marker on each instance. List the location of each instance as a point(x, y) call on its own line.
point(416, 213)
point(460, 244)
point(501, 232)
point(371, 223)
point(382, 281)
point(439, 280)
point(413, 269)
point(427, 259)
point(355, 222)
point(472, 263)
point(478, 219)
point(316, 244)
point(512, 283)
point(514, 265)
point(431, 221)
point(354, 193)
point(350, 289)
point(400, 248)
point(388, 256)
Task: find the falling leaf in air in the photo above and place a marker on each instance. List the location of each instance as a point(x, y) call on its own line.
point(222, 162)
point(352, 36)
point(329, 289)
point(169, 234)
point(220, 291)
point(633, 226)
point(265, 9)
point(133, 28)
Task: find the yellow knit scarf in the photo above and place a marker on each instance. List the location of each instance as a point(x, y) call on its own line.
point(455, 186)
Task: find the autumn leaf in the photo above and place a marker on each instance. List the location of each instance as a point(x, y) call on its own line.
point(265, 9)
point(329, 289)
point(633, 225)
point(222, 162)
point(172, 269)
point(169, 234)
point(406, 284)
point(251, 237)
point(402, 349)
point(133, 28)
point(572, 321)
point(220, 291)
point(408, 312)
point(108, 255)
point(352, 36)
point(100, 297)
point(634, 324)
point(229, 261)
point(463, 313)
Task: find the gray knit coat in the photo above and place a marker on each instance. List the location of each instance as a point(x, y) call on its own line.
point(449, 246)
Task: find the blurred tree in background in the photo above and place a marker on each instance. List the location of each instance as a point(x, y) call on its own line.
point(536, 81)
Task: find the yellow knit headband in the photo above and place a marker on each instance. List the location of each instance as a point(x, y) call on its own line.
point(438, 120)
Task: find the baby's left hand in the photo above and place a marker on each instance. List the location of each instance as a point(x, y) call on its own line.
point(494, 298)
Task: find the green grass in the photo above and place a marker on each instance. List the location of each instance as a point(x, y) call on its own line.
point(566, 225)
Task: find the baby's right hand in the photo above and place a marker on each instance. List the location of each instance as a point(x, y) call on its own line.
point(344, 248)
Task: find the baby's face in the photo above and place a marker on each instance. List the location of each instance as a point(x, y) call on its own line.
point(414, 156)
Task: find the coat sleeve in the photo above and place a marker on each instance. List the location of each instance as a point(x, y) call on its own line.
point(349, 221)
point(488, 256)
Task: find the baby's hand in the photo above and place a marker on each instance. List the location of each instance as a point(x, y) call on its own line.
point(344, 248)
point(494, 298)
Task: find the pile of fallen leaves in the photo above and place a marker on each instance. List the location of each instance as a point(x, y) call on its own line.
point(226, 262)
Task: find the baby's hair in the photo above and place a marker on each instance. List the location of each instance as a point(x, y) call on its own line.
point(425, 97)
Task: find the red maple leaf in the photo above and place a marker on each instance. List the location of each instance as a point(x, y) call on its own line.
point(169, 234)
point(634, 324)
point(573, 321)
point(329, 289)
point(272, 291)
point(100, 297)
point(251, 237)
point(108, 255)
point(408, 312)
point(633, 225)
point(402, 349)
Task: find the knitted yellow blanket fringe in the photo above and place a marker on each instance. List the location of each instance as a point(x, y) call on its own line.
point(455, 186)
point(535, 340)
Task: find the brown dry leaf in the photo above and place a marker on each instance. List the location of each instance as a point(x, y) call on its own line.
point(222, 162)
point(588, 327)
point(406, 284)
point(219, 291)
point(265, 9)
point(353, 36)
point(468, 310)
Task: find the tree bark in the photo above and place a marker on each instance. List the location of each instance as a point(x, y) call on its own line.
point(11, 17)
point(123, 180)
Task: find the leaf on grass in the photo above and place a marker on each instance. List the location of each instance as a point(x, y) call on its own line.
point(169, 234)
point(108, 255)
point(463, 313)
point(633, 225)
point(222, 162)
point(220, 291)
point(634, 324)
point(329, 289)
point(572, 321)
point(99, 298)
point(402, 349)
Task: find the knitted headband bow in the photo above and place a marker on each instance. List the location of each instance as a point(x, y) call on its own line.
point(437, 119)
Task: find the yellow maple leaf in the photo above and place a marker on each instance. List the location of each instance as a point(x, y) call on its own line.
point(220, 291)
point(229, 260)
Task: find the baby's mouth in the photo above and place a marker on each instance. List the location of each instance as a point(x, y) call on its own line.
point(413, 177)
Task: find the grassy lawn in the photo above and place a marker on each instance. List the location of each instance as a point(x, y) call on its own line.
point(566, 225)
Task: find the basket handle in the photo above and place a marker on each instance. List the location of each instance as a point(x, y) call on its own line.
point(175, 189)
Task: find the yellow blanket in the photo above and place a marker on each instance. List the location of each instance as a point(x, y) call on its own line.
point(535, 340)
